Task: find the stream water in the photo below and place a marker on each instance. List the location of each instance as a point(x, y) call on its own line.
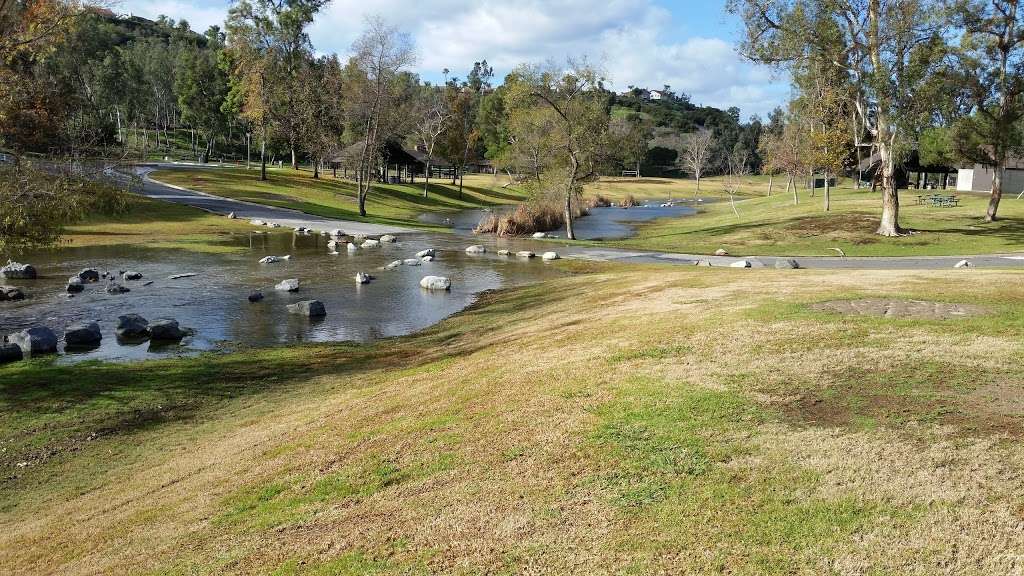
point(601, 224)
point(214, 302)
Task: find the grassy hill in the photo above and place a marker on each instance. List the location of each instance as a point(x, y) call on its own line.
point(629, 420)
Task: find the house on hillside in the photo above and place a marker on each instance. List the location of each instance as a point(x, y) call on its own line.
point(978, 178)
point(658, 95)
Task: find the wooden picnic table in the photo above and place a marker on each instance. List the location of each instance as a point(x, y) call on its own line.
point(939, 200)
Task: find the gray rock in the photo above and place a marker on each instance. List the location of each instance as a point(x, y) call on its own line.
point(721, 252)
point(35, 340)
point(370, 244)
point(129, 275)
point(10, 353)
point(539, 235)
point(257, 222)
point(351, 247)
point(132, 326)
point(393, 265)
point(75, 285)
point(274, 259)
point(963, 264)
point(290, 285)
point(337, 233)
point(787, 264)
point(388, 239)
point(255, 296)
point(83, 334)
point(525, 254)
point(503, 252)
point(363, 278)
point(166, 330)
point(427, 259)
point(476, 249)
point(17, 271)
point(89, 275)
point(740, 264)
point(115, 288)
point(310, 308)
point(231, 216)
point(180, 276)
point(436, 283)
point(412, 262)
point(427, 252)
point(550, 256)
point(11, 293)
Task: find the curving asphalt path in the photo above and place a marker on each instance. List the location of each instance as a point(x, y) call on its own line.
point(293, 219)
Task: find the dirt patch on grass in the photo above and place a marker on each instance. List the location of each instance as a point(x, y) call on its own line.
point(832, 223)
point(909, 309)
point(975, 401)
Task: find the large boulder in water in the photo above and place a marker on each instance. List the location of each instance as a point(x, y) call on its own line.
point(132, 326)
point(550, 256)
point(370, 244)
point(436, 283)
point(11, 293)
point(10, 353)
point(290, 285)
point(82, 334)
point(476, 249)
point(427, 252)
point(35, 340)
point(309, 308)
point(75, 285)
point(255, 296)
point(412, 262)
point(130, 275)
point(17, 271)
point(89, 275)
point(166, 330)
point(388, 239)
point(363, 278)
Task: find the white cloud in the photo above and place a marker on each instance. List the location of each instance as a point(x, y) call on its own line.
point(631, 38)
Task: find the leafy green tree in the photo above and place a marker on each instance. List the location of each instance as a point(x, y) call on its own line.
point(573, 99)
point(887, 49)
point(990, 73)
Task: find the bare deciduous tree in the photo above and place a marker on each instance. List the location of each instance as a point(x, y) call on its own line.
point(431, 121)
point(382, 53)
point(697, 152)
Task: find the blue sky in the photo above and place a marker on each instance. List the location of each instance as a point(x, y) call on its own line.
point(686, 44)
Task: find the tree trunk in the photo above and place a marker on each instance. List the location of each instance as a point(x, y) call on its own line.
point(569, 233)
point(997, 191)
point(263, 159)
point(791, 184)
point(771, 180)
point(828, 195)
point(426, 180)
point(637, 169)
point(316, 169)
point(890, 223)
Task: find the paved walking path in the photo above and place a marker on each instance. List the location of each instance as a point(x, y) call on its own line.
point(292, 219)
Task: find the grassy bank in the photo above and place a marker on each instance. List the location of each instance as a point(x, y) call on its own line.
point(775, 226)
point(620, 420)
point(396, 204)
point(155, 224)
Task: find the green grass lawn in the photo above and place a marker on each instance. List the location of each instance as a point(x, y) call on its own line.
point(622, 419)
point(155, 224)
point(775, 226)
point(396, 204)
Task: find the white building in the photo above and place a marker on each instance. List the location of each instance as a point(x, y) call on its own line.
point(979, 178)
